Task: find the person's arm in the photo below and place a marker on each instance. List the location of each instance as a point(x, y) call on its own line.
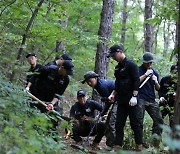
point(145, 75)
point(155, 78)
point(112, 96)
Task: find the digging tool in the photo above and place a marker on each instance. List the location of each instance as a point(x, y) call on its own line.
point(44, 104)
point(147, 78)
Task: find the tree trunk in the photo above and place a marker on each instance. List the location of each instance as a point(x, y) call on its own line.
point(166, 35)
point(177, 103)
point(26, 34)
point(124, 18)
point(148, 28)
point(105, 33)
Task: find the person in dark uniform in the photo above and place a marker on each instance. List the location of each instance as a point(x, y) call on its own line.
point(126, 94)
point(34, 68)
point(104, 88)
point(51, 84)
point(167, 94)
point(60, 59)
point(82, 110)
point(147, 94)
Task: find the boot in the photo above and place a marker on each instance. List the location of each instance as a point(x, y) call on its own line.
point(139, 147)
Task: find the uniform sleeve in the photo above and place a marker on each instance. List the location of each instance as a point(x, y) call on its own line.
point(48, 69)
point(97, 106)
point(72, 112)
point(162, 91)
point(134, 73)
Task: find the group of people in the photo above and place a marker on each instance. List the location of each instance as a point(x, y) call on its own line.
point(131, 94)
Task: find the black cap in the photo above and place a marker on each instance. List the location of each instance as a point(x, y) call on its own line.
point(68, 66)
point(30, 54)
point(115, 48)
point(88, 75)
point(66, 56)
point(81, 93)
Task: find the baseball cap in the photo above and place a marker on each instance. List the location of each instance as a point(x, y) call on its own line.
point(68, 66)
point(115, 48)
point(88, 75)
point(66, 56)
point(81, 93)
point(31, 54)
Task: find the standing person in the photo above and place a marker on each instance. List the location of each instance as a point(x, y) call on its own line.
point(104, 88)
point(81, 111)
point(34, 68)
point(167, 94)
point(147, 93)
point(126, 94)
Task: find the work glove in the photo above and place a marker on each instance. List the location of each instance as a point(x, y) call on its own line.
point(133, 101)
point(26, 89)
point(148, 72)
point(162, 99)
point(111, 98)
point(154, 78)
point(50, 107)
point(174, 96)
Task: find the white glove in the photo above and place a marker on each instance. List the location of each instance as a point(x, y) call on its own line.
point(133, 101)
point(154, 78)
point(162, 99)
point(149, 71)
point(26, 89)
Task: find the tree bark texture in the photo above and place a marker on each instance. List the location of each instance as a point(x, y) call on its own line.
point(124, 18)
point(148, 28)
point(105, 33)
point(177, 104)
point(26, 34)
point(166, 36)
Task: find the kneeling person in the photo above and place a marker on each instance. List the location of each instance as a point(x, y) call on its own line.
point(82, 111)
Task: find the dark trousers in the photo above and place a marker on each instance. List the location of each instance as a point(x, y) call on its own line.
point(134, 113)
point(84, 131)
point(167, 109)
point(110, 131)
point(154, 111)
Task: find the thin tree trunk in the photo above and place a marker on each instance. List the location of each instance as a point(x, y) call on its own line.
point(105, 33)
point(26, 34)
point(177, 103)
point(124, 18)
point(166, 38)
point(148, 28)
point(155, 38)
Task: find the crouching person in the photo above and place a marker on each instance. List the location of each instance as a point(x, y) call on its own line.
point(83, 112)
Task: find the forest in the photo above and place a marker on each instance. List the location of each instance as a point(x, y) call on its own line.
point(85, 29)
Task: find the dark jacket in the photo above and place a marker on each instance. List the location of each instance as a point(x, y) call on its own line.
point(127, 79)
point(168, 87)
point(78, 111)
point(33, 72)
point(105, 87)
point(50, 84)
